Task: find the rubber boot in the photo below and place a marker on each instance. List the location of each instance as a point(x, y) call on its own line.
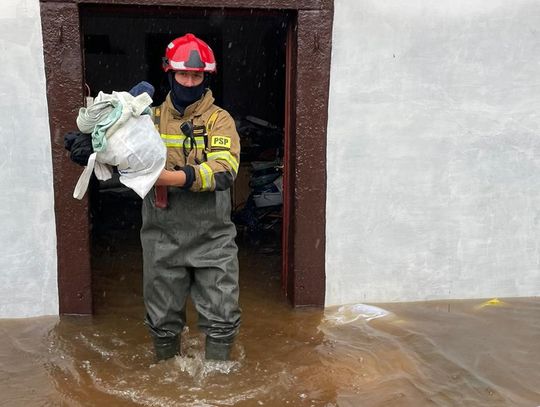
point(217, 350)
point(167, 347)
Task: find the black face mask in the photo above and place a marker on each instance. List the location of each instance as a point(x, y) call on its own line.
point(183, 96)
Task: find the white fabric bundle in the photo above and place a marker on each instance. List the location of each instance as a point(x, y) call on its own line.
point(132, 144)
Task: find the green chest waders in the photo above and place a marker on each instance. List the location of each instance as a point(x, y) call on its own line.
point(189, 249)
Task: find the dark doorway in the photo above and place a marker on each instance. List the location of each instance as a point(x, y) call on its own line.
point(309, 41)
point(124, 45)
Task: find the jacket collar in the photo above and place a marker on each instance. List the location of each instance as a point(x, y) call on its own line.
point(195, 109)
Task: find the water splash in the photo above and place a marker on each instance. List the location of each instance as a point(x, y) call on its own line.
point(353, 312)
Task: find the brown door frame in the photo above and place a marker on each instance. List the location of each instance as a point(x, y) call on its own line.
point(307, 112)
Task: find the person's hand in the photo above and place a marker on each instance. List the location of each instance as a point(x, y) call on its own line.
point(79, 145)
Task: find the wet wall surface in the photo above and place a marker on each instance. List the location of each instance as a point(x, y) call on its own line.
point(438, 180)
point(470, 353)
point(27, 236)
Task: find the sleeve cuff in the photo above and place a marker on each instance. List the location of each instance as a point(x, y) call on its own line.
point(190, 176)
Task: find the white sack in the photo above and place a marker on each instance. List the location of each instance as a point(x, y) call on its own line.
point(139, 153)
point(137, 150)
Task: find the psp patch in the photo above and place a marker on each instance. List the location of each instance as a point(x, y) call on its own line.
point(220, 142)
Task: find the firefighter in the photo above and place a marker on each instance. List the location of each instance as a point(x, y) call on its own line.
point(187, 234)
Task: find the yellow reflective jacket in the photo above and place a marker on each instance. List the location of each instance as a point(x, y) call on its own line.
point(211, 156)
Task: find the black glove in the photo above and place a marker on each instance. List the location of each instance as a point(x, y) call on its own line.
point(79, 145)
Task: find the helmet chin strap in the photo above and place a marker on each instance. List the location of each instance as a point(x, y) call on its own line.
point(183, 96)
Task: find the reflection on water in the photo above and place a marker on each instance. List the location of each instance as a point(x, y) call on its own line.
point(459, 353)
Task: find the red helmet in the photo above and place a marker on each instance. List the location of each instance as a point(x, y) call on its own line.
point(188, 53)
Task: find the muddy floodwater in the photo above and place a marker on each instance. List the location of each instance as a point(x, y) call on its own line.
point(457, 353)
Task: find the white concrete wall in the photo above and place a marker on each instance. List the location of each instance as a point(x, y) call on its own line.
point(28, 285)
point(434, 150)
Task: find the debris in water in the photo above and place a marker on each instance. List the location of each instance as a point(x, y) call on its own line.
point(494, 302)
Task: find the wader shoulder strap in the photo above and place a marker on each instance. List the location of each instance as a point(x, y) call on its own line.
point(161, 199)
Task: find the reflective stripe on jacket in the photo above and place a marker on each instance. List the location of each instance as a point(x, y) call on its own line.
point(214, 150)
